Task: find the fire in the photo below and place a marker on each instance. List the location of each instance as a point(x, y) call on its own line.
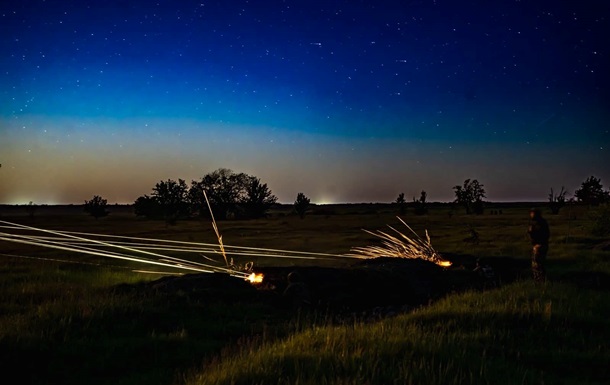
point(444, 263)
point(255, 278)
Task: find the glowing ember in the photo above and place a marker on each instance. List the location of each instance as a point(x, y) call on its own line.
point(444, 263)
point(255, 278)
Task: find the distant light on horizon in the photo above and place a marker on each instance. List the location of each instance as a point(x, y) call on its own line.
point(303, 97)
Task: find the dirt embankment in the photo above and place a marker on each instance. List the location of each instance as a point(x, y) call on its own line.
point(367, 285)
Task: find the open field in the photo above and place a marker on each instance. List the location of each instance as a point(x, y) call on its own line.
point(65, 322)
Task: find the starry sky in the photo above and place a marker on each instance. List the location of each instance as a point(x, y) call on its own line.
point(346, 101)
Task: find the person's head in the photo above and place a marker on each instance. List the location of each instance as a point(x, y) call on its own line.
point(535, 213)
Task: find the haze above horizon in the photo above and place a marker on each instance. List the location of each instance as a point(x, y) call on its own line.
point(343, 101)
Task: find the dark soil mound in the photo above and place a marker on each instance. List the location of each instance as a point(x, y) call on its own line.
point(368, 284)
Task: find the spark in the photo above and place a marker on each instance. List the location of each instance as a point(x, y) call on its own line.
point(24, 240)
point(196, 247)
point(255, 278)
point(155, 272)
point(181, 264)
point(86, 263)
point(122, 248)
point(401, 246)
point(149, 251)
point(222, 248)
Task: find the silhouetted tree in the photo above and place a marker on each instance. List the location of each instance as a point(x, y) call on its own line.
point(228, 193)
point(258, 198)
point(30, 208)
point(592, 192)
point(470, 195)
point(96, 207)
point(224, 188)
point(419, 205)
point(557, 201)
point(149, 207)
point(402, 203)
point(172, 199)
point(301, 204)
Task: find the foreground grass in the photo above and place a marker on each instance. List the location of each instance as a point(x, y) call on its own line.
point(519, 334)
point(62, 323)
point(66, 325)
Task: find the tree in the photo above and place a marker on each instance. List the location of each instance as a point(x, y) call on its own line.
point(228, 194)
point(402, 203)
point(172, 199)
point(557, 201)
point(96, 207)
point(30, 208)
point(591, 192)
point(470, 195)
point(224, 188)
point(258, 198)
point(146, 206)
point(419, 205)
point(301, 204)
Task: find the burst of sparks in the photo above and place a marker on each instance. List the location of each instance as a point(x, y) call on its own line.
point(401, 246)
point(255, 278)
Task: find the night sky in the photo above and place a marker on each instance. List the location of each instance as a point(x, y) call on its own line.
point(346, 101)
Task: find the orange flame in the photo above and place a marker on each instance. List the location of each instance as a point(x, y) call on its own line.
point(255, 278)
point(444, 263)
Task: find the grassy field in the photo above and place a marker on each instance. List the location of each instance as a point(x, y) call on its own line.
point(66, 322)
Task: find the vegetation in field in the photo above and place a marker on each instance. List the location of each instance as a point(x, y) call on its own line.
point(301, 205)
point(402, 203)
point(71, 319)
point(230, 194)
point(420, 206)
point(470, 195)
point(520, 334)
point(592, 192)
point(96, 207)
point(557, 200)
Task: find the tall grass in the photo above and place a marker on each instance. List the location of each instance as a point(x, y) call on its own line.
point(519, 334)
point(69, 324)
point(72, 325)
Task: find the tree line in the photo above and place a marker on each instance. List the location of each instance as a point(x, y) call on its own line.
point(471, 193)
point(229, 195)
point(239, 195)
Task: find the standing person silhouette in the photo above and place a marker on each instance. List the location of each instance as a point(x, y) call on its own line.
point(539, 234)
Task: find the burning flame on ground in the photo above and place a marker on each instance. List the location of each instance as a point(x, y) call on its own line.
point(255, 278)
point(444, 263)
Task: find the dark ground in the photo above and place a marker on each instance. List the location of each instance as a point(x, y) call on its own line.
point(363, 287)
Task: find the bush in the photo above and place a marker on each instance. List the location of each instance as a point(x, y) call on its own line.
point(470, 195)
point(301, 205)
point(419, 205)
point(96, 207)
point(148, 207)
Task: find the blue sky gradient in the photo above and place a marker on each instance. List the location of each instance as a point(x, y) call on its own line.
point(345, 101)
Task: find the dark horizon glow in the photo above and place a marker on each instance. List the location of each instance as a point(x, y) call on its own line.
point(344, 101)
